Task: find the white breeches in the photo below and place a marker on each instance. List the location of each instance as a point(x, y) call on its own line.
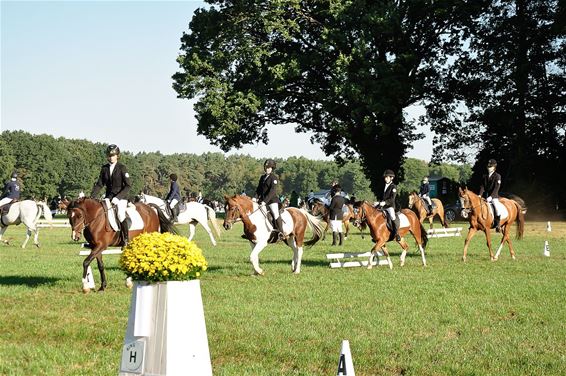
point(427, 199)
point(391, 213)
point(5, 200)
point(173, 203)
point(122, 205)
point(336, 225)
point(274, 210)
point(495, 202)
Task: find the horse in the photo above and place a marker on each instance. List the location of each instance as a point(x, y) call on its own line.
point(90, 217)
point(63, 204)
point(27, 212)
point(319, 209)
point(376, 220)
point(417, 202)
point(481, 218)
point(258, 228)
point(193, 213)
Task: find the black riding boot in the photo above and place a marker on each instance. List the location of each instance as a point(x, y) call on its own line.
point(341, 235)
point(279, 223)
point(334, 237)
point(124, 232)
point(496, 223)
point(396, 231)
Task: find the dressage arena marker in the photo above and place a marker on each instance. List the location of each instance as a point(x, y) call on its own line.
point(89, 276)
point(546, 250)
point(347, 264)
point(345, 363)
point(444, 232)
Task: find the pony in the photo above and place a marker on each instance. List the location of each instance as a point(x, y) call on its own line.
point(90, 217)
point(417, 202)
point(193, 213)
point(481, 218)
point(376, 220)
point(62, 205)
point(257, 228)
point(319, 209)
point(27, 212)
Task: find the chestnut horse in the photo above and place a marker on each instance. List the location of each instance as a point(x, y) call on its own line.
point(90, 217)
point(257, 228)
point(481, 218)
point(319, 209)
point(417, 202)
point(377, 223)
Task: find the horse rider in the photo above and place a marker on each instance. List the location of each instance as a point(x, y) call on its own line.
point(266, 194)
point(424, 194)
point(173, 197)
point(489, 190)
point(336, 214)
point(387, 202)
point(11, 191)
point(114, 176)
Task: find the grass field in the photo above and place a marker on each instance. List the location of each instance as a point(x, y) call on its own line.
point(451, 318)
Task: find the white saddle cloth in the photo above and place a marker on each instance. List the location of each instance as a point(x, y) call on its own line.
point(403, 220)
point(133, 218)
point(501, 210)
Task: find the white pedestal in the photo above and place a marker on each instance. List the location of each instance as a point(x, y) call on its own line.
point(166, 333)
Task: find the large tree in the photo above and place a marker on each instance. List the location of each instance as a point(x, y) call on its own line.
point(510, 87)
point(346, 70)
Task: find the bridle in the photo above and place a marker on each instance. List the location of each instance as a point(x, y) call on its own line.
point(84, 222)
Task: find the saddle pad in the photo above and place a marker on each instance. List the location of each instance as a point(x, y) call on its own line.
point(403, 220)
point(345, 209)
point(501, 209)
point(135, 218)
point(111, 213)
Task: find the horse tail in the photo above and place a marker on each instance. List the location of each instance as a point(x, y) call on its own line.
point(317, 225)
point(212, 218)
point(46, 211)
point(165, 225)
point(520, 219)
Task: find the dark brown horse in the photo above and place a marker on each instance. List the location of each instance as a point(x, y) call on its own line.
point(481, 219)
point(257, 228)
point(89, 217)
point(417, 202)
point(377, 223)
point(318, 208)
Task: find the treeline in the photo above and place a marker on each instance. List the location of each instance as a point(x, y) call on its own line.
point(49, 166)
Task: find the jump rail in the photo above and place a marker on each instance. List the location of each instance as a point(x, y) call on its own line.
point(338, 263)
point(42, 223)
point(444, 232)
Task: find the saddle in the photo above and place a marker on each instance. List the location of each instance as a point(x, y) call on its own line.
point(274, 236)
point(6, 208)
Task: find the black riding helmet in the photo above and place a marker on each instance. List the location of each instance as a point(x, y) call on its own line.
point(270, 163)
point(112, 150)
point(173, 177)
point(491, 163)
point(14, 175)
point(388, 173)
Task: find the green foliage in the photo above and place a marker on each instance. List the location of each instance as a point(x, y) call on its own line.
point(344, 70)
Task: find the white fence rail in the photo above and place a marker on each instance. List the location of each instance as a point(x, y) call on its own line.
point(444, 232)
point(339, 263)
point(43, 223)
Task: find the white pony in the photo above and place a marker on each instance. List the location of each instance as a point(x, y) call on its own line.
point(194, 213)
point(27, 212)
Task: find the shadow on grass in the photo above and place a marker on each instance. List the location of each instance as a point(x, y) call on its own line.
point(15, 280)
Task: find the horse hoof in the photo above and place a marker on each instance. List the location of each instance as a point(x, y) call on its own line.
point(129, 283)
point(37, 245)
point(86, 290)
point(493, 259)
point(514, 258)
point(463, 259)
point(260, 273)
point(402, 264)
point(101, 290)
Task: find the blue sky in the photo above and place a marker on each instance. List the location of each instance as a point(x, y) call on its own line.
point(101, 71)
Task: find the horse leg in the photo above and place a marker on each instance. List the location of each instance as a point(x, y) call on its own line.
point(405, 247)
point(386, 253)
point(488, 241)
point(86, 264)
point(297, 256)
point(207, 228)
point(471, 233)
point(430, 220)
point(102, 272)
point(191, 231)
point(28, 235)
point(347, 228)
point(2, 231)
point(254, 256)
point(507, 237)
point(36, 237)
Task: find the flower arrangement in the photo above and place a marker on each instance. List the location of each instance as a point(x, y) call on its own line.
point(156, 257)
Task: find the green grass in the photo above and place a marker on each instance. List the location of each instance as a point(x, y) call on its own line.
point(451, 318)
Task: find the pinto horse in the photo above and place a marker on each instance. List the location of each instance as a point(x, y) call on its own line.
point(319, 209)
point(481, 218)
point(27, 212)
point(193, 213)
point(377, 223)
point(90, 217)
point(417, 202)
point(257, 228)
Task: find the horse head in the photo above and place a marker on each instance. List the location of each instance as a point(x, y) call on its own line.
point(76, 212)
point(234, 207)
point(412, 199)
point(359, 213)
